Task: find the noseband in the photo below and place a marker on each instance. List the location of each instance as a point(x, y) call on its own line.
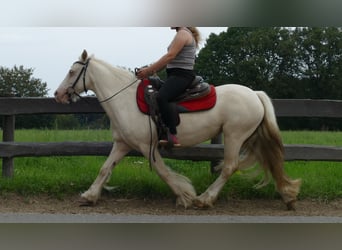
point(83, 71)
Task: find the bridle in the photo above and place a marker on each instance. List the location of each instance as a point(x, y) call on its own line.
point(84, 71)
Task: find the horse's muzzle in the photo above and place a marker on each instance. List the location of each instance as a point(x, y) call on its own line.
point(62, 97)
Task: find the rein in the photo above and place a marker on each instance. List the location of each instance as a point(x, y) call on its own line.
point(121, 90)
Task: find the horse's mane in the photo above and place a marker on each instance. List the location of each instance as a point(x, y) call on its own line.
point(119, 70)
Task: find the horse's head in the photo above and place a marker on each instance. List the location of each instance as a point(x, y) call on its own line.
point(75, 81)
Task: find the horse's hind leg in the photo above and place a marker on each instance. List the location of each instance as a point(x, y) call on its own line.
point(230, 165)
point(91, 196)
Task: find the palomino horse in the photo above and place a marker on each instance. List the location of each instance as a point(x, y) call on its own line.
point(246, 118)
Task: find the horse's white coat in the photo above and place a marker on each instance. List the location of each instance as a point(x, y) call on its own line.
point(238, 113)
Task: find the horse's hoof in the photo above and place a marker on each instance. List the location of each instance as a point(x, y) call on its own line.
point(183, 203)
point(291, 205)
point(83, 202)
point(197, 204)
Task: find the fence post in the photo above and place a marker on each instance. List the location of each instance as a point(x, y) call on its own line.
point(8, 136)
point(215, 140)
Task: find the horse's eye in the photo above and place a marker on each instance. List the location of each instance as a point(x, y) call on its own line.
point(71, 72)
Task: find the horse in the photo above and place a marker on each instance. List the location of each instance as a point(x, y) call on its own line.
point(246, 118)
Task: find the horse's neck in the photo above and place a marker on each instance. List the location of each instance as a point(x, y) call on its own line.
point(109, 81)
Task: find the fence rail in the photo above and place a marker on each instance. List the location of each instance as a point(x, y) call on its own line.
point(283, 107)
point(201, 152)
point(10, 107)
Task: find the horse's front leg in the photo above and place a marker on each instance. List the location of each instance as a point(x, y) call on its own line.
point(90, 197)
point(179, 184)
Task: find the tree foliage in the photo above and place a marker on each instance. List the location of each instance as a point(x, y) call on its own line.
point(19, 82)
point(286, 63)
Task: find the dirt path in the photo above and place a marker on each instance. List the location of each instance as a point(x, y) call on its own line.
point(43, 204)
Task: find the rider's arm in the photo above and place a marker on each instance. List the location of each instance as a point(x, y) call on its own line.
point(180, 40)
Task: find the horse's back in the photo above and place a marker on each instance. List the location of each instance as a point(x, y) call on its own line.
point(234, 89)
point(239, 106)
point(236, 96)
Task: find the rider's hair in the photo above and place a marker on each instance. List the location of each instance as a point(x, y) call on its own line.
point(196, 35)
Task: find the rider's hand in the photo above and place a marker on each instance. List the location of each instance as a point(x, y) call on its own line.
point(143, 73)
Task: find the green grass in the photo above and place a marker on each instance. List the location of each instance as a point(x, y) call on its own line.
point(312, 137)
point(60, 176)
point(61, 135)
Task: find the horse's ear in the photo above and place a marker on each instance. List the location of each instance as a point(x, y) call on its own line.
point(84, 55)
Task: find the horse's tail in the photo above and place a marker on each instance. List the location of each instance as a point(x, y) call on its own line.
point(267, 148)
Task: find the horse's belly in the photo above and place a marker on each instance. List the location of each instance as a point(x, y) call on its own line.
point(199, 126)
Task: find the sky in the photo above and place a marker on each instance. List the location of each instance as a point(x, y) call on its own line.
point(50, 51)
point(49, 36)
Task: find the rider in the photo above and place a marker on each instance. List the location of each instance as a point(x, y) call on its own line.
point(179, 62)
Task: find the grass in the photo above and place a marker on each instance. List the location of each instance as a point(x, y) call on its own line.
point(313, 137)
point(61, 135)
point(60, 176)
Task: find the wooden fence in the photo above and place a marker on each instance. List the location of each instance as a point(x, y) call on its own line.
point(10, 107)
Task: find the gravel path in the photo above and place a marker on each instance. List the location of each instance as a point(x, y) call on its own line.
point(228, 210)
point(143, 218)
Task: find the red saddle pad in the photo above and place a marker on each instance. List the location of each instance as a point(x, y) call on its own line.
point(199, 104)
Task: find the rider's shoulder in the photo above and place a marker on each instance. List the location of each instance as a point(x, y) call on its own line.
point(183, 35)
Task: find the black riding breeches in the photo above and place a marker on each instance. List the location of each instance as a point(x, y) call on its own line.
point(176, 83)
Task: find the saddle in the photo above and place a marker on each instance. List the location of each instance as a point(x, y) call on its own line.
point(197, 89)
point(198, 96)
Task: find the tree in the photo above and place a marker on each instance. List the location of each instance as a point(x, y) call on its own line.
point(19, 82)
point(320, 53)
point(284, 62)
point(246, 56)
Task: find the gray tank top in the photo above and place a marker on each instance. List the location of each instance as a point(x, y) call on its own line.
point(185, 58)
